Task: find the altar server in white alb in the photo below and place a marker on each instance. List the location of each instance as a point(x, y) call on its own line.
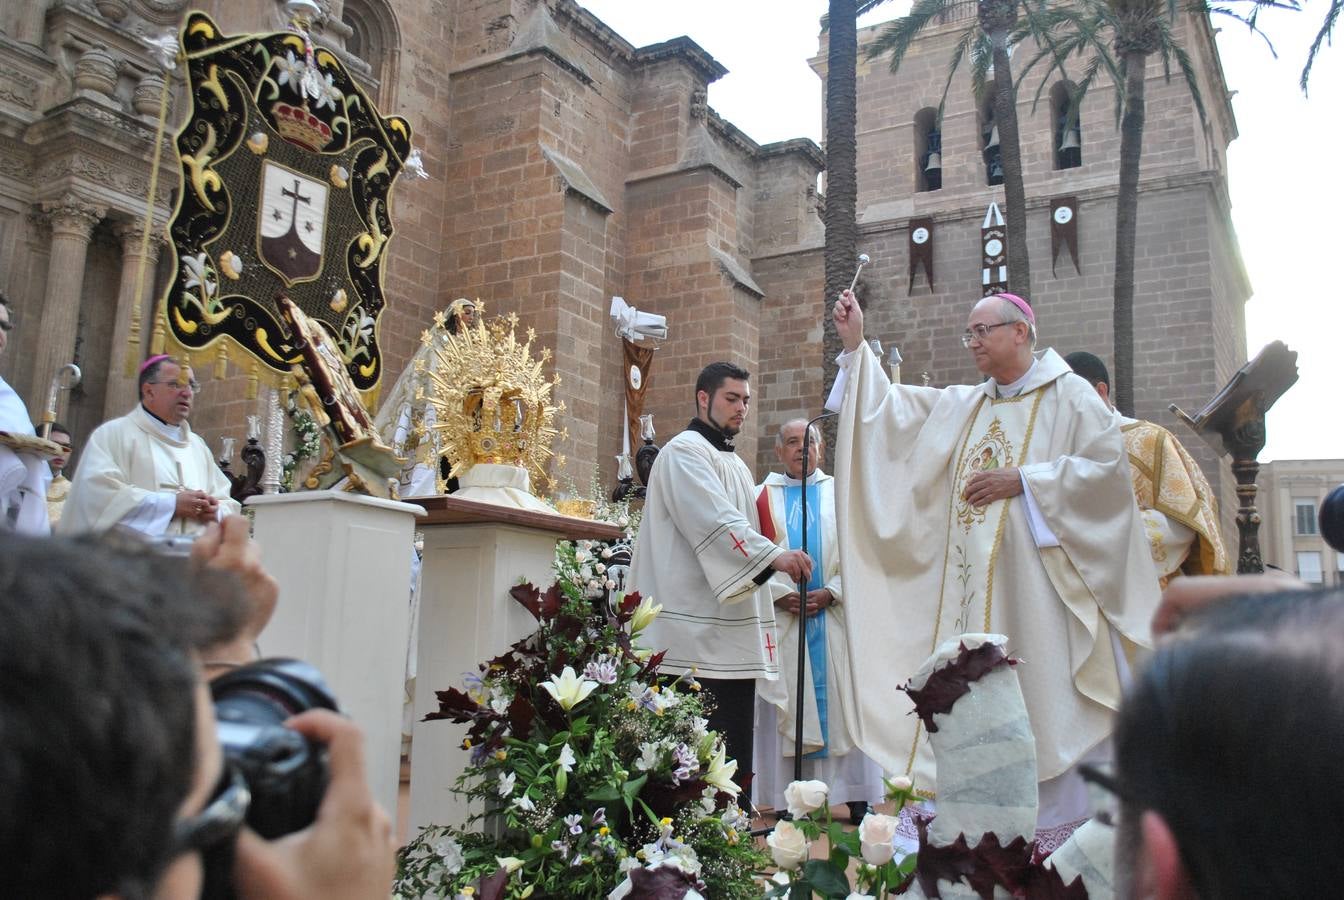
point(1002, 507)
point(147, 470)
point(700, 553)
point(829, 753)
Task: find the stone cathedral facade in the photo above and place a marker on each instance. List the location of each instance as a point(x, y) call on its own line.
point(568, 165)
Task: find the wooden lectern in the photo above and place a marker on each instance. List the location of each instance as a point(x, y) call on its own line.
point(1233, 422)
point(473, 553)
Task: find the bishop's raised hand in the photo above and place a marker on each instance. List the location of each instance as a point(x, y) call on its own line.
point(848, 320)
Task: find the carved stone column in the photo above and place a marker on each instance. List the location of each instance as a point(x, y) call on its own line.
point(121, 394)
point(72, 221)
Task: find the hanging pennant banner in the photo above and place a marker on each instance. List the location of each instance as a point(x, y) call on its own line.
point(994, 250)
point(921, 250)
point(1064, 230)
point(287, 173)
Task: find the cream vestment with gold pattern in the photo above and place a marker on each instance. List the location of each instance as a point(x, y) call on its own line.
point(1180, 515)
point(928, 566)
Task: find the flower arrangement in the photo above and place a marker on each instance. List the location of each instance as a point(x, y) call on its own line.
point(308, 442)
point(597, 776)
point(880, 873)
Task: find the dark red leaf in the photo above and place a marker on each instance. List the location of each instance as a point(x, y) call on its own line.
point(521, 715)
point(981, 867)
point(454, 705)
point(948, 684)
point(492, 886)
point(550, 603)
point(629, 603)
point(529, 597)
point(662, 883)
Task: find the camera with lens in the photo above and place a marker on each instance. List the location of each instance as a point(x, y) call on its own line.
point(285, 772)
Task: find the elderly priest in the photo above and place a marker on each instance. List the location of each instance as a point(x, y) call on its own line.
point(147, 470)
point(1001, 507)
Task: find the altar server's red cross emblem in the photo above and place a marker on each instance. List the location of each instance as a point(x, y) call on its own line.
point(770, 647)
point(738, 545)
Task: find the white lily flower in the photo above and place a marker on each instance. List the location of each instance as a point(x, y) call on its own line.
point(568, 689)
point(645, 613)
point(721, 771)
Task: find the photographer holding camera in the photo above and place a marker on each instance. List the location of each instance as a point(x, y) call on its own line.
point(113, 778)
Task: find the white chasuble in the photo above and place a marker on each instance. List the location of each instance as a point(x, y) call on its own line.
point(129, 460)
point(996, 439)
point(927, 566)
point(699, 553)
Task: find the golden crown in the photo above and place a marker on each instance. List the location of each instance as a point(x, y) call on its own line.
point(298, 125)
point(491, 401)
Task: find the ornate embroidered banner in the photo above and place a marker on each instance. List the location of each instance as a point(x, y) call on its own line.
point(287, 171)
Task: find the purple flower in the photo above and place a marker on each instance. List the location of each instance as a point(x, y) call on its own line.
point(602, 670)
point(574, 822)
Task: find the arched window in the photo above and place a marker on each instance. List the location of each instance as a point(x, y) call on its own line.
point(1068, 127)
point(989, 144)
point(928, 150)
point(374, 39)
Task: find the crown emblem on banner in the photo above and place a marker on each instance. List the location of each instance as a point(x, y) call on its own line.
point(300, 126)
point(492, 404)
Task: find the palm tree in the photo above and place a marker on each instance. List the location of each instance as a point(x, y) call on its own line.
point(1121, 35)
point(839, 214)
point(999, 25)
point(1323, 37)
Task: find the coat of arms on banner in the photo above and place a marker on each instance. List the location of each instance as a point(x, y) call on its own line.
point(287, 171)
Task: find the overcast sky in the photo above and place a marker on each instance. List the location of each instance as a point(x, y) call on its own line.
point(1285, 170)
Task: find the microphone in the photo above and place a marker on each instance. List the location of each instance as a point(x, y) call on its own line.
point(802, 598)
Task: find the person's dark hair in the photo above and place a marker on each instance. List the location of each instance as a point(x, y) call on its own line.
point(715, 374)
point(1089, 366)
point(151, 371)
point(55, 427)
point(4, 301)
point(97, 711)
point(1233, 735)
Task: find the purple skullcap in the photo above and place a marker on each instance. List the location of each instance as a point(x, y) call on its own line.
point(1020, 304)
point(151, 361)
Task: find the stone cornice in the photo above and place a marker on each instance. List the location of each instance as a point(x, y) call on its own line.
point(683, 49)
point(730, 132)
point(804, 147)
point(601, 34)
point(576, 180)
point(736, 272)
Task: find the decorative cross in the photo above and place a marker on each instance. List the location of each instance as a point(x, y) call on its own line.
point(738, 545)
point(770, 646)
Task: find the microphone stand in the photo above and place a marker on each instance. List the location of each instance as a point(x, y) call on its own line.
point(802, 611)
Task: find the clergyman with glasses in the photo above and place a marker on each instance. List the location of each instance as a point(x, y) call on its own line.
point(147, 470)
point(1002, 507)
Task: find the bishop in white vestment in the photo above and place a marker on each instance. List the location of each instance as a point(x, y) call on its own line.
point(1004, 507)
point(147, 470)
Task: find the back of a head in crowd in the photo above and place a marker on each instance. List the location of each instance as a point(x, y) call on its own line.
point(1089, 366)
point(1232, 734)
point(97, 712)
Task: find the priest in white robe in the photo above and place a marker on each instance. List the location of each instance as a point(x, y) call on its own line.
point(24, 474)
point(700, 554)
point(829, 753)
point(1003, 507)
point(147, 470)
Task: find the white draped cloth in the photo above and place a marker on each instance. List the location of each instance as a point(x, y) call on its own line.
point(698, 552)
point(23, 476)
point(850, 775)
point(1062, 569)
point(130, 474)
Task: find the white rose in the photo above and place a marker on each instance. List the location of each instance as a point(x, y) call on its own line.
point(876, 832)
point(898, 785)
point(788, 846)
point(804, 797)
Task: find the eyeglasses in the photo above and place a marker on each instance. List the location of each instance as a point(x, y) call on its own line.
point(192, 386)
point(980, 333)
point(221, 819)
point(6, 325)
